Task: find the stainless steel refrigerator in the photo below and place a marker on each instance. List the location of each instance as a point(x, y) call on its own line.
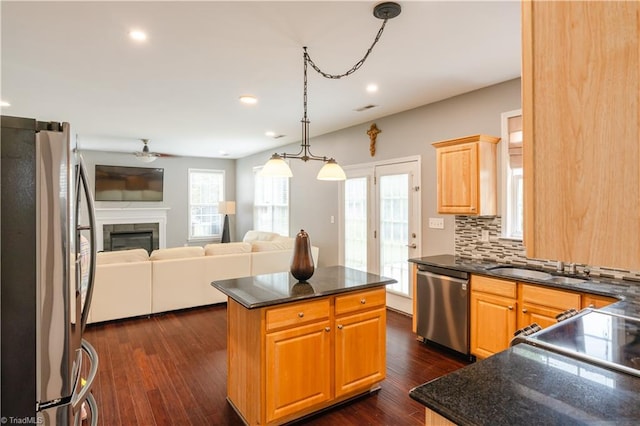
point(48, 263)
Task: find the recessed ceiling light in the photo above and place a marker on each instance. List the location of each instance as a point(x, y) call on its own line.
point(4, 104)
point(248, 99)
point(372, 88)
point(223, 153)
point(138, 35)
point(270, 134)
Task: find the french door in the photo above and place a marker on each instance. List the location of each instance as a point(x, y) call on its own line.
point(380, 226)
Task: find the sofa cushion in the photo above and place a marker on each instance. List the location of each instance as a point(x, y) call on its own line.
point(227, 248)
point(176, 253)
point(277, 244)
point(251, 236)
point(122, 256)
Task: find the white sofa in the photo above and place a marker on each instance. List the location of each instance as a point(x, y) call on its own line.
point(131, 283)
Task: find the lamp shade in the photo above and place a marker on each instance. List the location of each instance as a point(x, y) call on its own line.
point(276, 167)
point(331, 171)
point(227, 207)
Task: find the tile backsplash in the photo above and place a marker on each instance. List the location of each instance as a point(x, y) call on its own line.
point(469, 244)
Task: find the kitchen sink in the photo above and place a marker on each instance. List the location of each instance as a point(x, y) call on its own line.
point(565, 280)
point(510, 271)
point(514, 272)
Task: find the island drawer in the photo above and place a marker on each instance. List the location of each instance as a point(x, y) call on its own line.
point(297, 313)
point(360, 301)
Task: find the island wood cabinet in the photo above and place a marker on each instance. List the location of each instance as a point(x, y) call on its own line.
point(581, 130)
point(301, 338)
point(466, 175)
point(293, 359)
point(500, 307)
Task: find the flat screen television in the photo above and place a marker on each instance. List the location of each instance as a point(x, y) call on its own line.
point(122, 183)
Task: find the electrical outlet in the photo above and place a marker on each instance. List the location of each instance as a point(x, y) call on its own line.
point(436, 223)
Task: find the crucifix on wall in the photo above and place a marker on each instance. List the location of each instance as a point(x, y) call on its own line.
point(373, 134)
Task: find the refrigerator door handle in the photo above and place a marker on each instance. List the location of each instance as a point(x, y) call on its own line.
point(79, 398)
point(82, 180)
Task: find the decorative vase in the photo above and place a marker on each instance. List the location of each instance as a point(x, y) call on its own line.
point(302, 262)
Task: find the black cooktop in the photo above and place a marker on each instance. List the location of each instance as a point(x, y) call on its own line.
point(603, 338)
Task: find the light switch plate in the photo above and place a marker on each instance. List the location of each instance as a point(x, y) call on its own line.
point(436, 222)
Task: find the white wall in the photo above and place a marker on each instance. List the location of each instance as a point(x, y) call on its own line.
point(175, 187)
point(408, 133)
point(313, 202)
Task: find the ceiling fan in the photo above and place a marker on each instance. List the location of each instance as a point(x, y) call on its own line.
point(146, 155)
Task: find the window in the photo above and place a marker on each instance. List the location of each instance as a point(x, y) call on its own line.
point(512, 184)
point(206, 189)
point(271, 203)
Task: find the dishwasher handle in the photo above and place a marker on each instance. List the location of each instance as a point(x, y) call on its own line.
point(454, 273)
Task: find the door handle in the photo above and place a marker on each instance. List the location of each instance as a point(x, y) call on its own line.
point(412, 245)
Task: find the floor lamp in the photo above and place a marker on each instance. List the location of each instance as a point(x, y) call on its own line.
point(226, 208)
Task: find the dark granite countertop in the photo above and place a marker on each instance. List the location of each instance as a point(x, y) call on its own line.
point(274, 289)
point(529, 385)
point(628, 292)
point(526, 385)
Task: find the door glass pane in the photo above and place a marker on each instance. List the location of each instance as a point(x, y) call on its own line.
point(394, 230)
point(355, 223)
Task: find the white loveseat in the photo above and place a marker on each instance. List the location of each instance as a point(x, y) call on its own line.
point(131, 283)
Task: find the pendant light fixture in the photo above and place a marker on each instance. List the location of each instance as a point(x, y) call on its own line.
point(276, 166)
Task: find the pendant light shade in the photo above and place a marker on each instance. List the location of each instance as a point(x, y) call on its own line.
point(331, 171)
point(276, 167)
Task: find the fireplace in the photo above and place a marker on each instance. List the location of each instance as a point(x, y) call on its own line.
point(123, 236)
point(132, 240)
point(131, 219)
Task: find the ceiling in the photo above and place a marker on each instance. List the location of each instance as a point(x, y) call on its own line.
point(74, 61)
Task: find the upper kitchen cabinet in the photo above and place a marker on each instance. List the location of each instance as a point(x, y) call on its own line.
point(466, 169)
point(581, 120)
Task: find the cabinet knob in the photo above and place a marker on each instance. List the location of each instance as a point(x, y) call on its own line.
point(300, 314)
point(524, 311)
point(591, 305)
point(363, 301)
point(327, 329)
point(339, 326)
point(510, 308)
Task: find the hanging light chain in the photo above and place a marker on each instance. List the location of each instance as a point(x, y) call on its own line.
point(355, 67)
point(305, 148)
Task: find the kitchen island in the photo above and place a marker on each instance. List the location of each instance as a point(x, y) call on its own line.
point(530, 384)
point(294, 348)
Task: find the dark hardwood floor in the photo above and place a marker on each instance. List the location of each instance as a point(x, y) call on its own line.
point(170, 369)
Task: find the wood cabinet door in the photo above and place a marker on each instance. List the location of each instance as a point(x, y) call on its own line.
point(581, 124)
point(544, 316)
point(298, 369)
point(360, 351)
point(596, 301)
point(493, 322)
point(457, 184)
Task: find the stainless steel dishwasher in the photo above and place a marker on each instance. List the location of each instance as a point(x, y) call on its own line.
point(442, 307)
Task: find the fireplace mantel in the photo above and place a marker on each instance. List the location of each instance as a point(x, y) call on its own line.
point(111, 216)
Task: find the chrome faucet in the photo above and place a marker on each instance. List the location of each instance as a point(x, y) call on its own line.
point(572, 268)
point(560, 266)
